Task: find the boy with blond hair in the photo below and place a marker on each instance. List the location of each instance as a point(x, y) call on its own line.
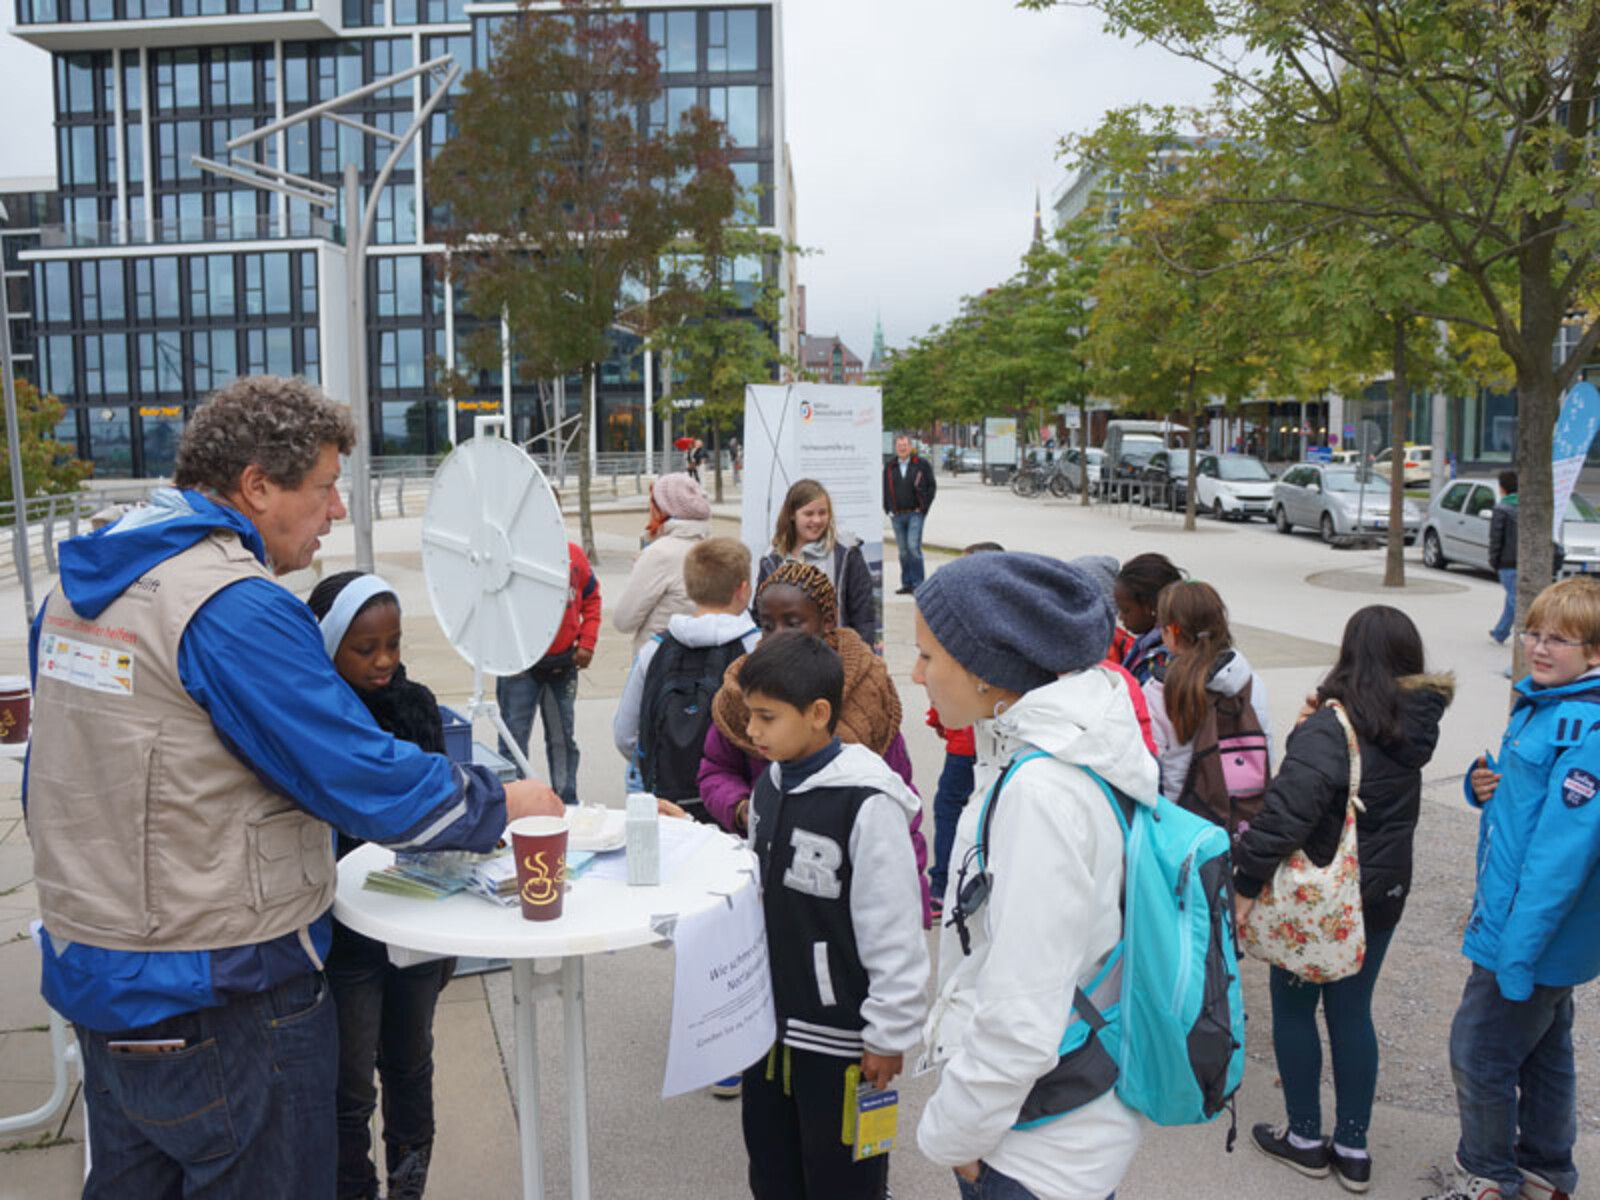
point(1531, 934)
point(661, 721)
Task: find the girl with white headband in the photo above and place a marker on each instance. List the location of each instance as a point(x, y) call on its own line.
point(385, 1013)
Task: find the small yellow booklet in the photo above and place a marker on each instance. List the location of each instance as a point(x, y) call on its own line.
point(871, 1116)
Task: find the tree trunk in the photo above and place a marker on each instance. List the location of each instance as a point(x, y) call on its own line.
point(1394, 564)
point(716, 457)
point(1083, 453)
point(1537, 408)
point(1194, 459)
point(585, 438)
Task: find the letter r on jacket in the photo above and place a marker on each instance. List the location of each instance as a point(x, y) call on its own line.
point(815, 869)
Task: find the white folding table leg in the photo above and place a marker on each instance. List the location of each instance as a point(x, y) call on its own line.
point(524, 1020)
point(577, 1073)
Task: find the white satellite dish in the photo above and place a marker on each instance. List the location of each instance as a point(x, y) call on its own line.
point(494, 552)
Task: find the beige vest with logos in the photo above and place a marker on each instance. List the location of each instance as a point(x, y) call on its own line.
point(148, 833)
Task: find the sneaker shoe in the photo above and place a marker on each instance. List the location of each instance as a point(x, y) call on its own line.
point(727, 1089)
point(1466, 1186)
point(1274, 1143)
point(937, 905)
point(1536, 1187)
point(1352, 1173)
point(1498, 641)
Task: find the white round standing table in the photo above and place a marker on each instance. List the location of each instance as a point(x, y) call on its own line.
point(598, 915)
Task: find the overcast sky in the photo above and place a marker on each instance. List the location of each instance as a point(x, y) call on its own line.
point(919, 130)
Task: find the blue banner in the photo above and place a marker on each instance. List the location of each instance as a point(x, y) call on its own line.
point(1575, 433)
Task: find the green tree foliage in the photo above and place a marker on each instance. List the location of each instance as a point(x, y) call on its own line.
point(1459, 130)
point(46, 471)
point(559, 190)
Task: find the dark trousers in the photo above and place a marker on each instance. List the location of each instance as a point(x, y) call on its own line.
point(247, 1101)
point(955, 788)
point(1516, 1084)
point(385, 1023)
point(1352, 1041)
point(793, 1131)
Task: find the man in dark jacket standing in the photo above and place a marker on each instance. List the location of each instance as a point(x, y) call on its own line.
point(908, 488)
point(1503, 552)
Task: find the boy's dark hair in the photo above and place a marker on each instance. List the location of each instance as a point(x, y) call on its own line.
point(1144, 575)
point(985, 548)
point(797, 669)
point(1508, 482)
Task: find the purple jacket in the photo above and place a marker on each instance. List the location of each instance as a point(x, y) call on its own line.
point(727, 774)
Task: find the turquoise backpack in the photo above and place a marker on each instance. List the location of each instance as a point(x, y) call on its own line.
point(1164, 1018)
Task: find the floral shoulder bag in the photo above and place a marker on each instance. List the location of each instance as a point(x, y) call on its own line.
point(1307, 919)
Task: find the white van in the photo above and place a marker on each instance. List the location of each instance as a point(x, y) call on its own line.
point(1128, 446)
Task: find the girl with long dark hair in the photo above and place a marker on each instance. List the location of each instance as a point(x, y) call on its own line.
point(1395, 709)
point(806, 532)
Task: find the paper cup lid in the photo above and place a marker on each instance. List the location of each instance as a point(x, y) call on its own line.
point(14, 683)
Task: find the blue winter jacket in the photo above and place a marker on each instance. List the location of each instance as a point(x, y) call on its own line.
point(1537, 905)
point(252, 657)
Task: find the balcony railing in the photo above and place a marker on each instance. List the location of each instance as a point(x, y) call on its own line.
point(180, 230)
point(51, 12)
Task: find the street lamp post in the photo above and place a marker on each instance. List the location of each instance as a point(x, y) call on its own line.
point(357, 234)
point(19, 498)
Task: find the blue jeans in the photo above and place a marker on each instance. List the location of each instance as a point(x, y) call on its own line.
point(249, 1099)
point(1508, 613)
point(1516, 1085)
point(385, 1023)
point(992, 1185)
point(955, 787)
point(908, 537)
point(553, 695)
point(1347, 1009)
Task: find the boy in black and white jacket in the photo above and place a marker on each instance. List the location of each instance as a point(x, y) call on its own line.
point(840, 893)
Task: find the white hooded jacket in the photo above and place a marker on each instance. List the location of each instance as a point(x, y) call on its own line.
point(1051, 920)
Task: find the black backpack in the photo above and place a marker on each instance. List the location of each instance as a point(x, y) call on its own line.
point(675, 713)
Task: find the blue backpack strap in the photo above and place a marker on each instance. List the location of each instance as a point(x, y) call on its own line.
point(1121, 804)
point(986, 814)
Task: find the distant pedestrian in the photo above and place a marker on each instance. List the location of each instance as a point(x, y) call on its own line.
point(1395, 710)
point(908, 489)
point(1503, 553)
point(695, 458)
point(549, 688)
point(1530, 936)
point(680, 516)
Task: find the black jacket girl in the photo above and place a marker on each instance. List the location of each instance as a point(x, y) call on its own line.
point(1305, 805)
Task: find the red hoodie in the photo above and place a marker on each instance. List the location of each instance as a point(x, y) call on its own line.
point(580, 623)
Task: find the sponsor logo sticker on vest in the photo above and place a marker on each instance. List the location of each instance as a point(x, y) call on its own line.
point(1578, 788)
point(86, 665)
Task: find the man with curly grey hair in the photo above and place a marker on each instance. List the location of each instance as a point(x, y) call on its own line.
point(193, 751)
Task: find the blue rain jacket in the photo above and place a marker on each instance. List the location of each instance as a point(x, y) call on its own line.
point(1537, 904)
point(253, 658)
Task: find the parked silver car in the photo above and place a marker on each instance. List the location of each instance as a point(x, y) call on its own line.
point(1457, 529)
point(1339, 502)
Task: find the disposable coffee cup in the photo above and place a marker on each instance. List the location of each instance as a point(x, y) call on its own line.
point(540, 847)
point(16, 703)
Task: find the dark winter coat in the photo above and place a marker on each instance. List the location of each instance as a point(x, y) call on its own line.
point(919, 475)
point(1503, 535)
point(852, 585)
point(1305, 803)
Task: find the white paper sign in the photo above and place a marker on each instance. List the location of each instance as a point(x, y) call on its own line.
point(832, 433)
point(722, 1017)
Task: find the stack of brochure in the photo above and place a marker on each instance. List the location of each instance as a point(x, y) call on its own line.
point(433, 875)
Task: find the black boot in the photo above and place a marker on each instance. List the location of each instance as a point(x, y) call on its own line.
point(408, 1171)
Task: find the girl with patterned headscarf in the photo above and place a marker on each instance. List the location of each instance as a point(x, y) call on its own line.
point(799, 597)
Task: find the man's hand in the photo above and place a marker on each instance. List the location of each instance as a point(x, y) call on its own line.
point(667, 808)
point(880, 1069)
point(1241, 915)
point(1484, 780)
point(583, 656)
point(531, 798)
point(969, 1172)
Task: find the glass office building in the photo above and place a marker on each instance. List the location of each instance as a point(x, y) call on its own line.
point(152, 282)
